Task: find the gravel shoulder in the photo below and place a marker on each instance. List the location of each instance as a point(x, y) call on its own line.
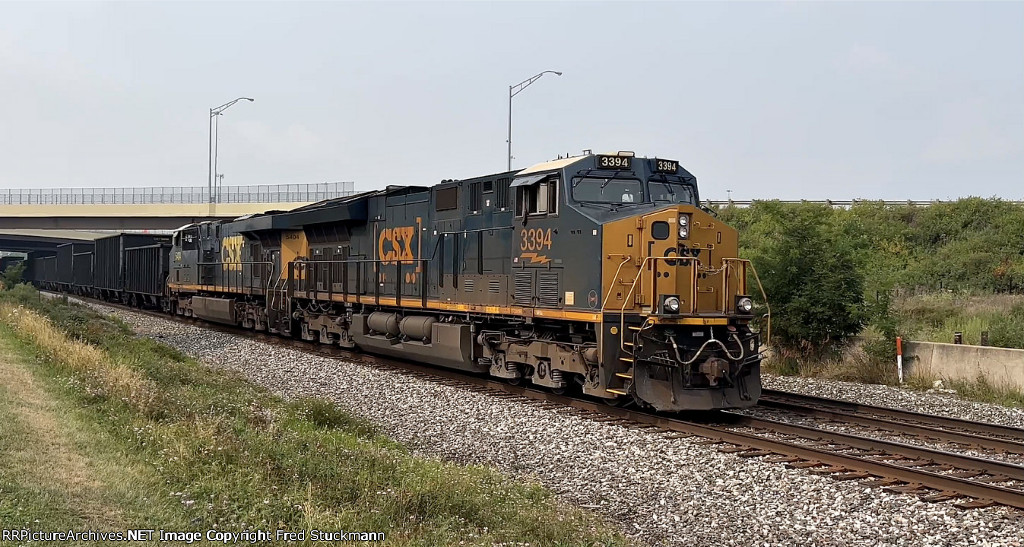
point(662, 491)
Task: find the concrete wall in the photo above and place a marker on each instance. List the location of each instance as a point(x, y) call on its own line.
point(1000, 366)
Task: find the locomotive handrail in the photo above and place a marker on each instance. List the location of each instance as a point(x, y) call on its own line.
point(611, 286)
point(638, 277)
point(305, 265)
point(760, 287)
point(693, 302)
point(241, 263)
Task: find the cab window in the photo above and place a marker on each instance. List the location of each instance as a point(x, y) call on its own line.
point(538, 197)
point(190, 239)
point(607, 190)
point(671, 191)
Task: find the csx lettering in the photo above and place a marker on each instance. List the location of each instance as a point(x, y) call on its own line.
point(231, 252)
point(396, 244)
point(536, 239)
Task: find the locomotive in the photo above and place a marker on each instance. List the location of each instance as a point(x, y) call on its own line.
point(598, 273)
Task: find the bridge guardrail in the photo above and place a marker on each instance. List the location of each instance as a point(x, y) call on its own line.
point(262, 193)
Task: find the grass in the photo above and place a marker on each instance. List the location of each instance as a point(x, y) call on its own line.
point(217, 452)
point(935, 317)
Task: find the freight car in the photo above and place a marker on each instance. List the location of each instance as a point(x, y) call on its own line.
point(74, 267)
point(597, 272)
point(131, 268)
point(127, 268)
point(35, 268)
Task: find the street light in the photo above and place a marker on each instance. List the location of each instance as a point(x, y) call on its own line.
point(514, 90)
point(211, 147)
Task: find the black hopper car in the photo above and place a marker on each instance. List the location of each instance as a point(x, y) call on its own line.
point(126, 268)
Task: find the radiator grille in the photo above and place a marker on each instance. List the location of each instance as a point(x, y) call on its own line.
point(469, 284)
point(494, 286)
point(523, 288)
point(548, 293)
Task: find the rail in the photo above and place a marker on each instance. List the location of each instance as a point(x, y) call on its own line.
point(837, 203)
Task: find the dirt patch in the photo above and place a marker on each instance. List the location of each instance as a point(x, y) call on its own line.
point(48, 458)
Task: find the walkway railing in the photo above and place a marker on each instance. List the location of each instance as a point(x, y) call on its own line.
point(263, 193)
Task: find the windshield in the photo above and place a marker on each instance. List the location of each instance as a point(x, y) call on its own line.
point(669, 191)
point(607, 190)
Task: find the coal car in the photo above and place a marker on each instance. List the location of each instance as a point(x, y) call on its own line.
point(131, 268)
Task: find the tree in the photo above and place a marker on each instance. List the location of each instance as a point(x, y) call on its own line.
point(810, 273)
point(12, 275)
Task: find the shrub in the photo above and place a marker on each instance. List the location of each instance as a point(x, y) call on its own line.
point(810, 275)
point(12, 276)
point(1007, 331)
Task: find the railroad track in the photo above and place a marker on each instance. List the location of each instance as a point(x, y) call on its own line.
point(932, 474)
point(927, 427)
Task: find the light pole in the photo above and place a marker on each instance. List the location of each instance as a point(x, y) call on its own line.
point(514, 90)
point(211, 147)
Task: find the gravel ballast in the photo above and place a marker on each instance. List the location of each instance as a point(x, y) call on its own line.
point(661, 491)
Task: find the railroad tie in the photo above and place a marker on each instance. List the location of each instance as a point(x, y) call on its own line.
point(828, 470)
point(975, 504)
point(939, 496)
point(803, 464)
point(907, 489)
point(753, 453)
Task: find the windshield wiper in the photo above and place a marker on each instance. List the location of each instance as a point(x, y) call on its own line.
point(592, 202)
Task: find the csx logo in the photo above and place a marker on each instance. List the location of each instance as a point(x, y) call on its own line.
point(231, 252)
point(396, 244)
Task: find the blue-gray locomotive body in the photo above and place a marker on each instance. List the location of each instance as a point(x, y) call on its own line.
point(597, 273)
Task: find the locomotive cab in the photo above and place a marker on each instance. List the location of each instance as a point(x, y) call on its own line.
point(671, 293)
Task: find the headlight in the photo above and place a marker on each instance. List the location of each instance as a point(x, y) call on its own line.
point(684, 232)
point(684, 220)
point(672, 304)
point(744, 304)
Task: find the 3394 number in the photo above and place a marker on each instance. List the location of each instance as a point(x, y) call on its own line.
point(614, 162)
point(667, 166)
point(536, 239)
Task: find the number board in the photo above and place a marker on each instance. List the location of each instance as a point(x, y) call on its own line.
point(666, 166)
point(614, 162)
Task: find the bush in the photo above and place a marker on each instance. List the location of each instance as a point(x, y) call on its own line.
point(1008, 330)
point(810, 275)
point(12, 276)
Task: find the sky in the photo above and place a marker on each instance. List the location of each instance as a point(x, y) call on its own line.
point(791, 100)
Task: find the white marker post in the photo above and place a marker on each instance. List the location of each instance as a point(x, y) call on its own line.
point(899, 357)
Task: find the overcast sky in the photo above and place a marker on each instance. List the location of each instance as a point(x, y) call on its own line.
point(791, 100)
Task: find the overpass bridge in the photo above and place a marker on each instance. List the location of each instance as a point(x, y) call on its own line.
point(155, 208)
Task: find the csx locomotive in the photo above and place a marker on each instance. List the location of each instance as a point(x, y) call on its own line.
point(598, 273)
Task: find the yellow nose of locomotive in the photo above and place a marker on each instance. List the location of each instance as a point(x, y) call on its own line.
point(678, 262)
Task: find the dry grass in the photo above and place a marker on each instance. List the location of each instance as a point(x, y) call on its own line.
point(934, 317)
point(227, 454)
point(114, 379)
